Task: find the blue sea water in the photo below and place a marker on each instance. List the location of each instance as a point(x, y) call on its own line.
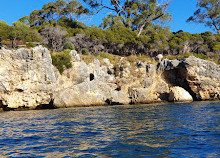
point(158, 131)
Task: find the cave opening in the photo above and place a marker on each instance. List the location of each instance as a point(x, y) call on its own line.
point(46, 106)
point(178, 77)
point(91, 77)
point(4, 107)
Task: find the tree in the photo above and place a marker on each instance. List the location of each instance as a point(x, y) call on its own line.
point(4, 30)
point(74, 9)
point(20, 31)
point(25, 20)
point(208, 13)
point(134, 14)
point(51, 12)
point(53, 37)
point(36, 18)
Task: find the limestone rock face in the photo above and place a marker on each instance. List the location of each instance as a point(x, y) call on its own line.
point(81, 72)
point(86, 93)
point(89, 93)
point(178, 94)
point(154, 90)
point(200, 77)
point(26, 77)
point(88, 84)
point(143, 96)
point(203, 78)
point(167, 64)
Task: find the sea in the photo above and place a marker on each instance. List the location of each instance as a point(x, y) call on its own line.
point(169, 130)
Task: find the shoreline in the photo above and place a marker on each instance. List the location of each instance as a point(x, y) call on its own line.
point(116, 105)
point(29, 80)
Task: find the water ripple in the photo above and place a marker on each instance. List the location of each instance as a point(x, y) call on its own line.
point(172, 130)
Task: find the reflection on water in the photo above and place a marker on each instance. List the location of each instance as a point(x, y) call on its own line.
point(172, 130)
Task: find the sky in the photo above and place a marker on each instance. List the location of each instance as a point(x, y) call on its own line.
point(181, 10)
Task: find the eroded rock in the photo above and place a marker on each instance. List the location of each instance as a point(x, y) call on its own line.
point(89, 93)
point(29, 80)
point(26, 77)
point(203, 78)
point(178, 94)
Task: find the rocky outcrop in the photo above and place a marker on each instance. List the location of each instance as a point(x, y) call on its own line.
point(203, 78)
point(178, 94)
point(91, 84)
point(26, 77)
point(199, 77)
point(84, 94)
point(167, 64)
point(29, 80)
point(89, 93)
point(143, 96)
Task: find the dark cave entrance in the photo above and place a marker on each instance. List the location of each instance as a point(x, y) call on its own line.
point(91, 77)
point(4, 107)
point(46, 106)
point(177, 77)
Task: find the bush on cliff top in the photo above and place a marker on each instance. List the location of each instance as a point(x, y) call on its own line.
point(62, 60)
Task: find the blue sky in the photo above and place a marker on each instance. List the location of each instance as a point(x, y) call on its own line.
point(12, 10)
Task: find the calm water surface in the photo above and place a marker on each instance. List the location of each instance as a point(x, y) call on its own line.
point(170, 130)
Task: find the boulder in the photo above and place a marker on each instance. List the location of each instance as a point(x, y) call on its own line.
point(178, 94)
point(106, 61)
point(167, 64)
point(75, 56)
point(159, 57)
point(84, 94)
point(143, 96)
point(120, 97)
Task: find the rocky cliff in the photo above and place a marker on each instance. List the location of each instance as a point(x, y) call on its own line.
point(26, 78)
point(29, 80)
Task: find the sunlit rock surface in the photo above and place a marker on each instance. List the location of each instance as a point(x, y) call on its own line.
point(178, 94)
point(29, 80)
point(26, 77)
point(203, 78)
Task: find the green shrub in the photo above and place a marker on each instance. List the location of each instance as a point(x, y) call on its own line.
point(186, 55)
point(216, 46)
point(215, 56)
point(121, 35)
point(201, 56)
point(85, 51)
point(112, 58)
point(30, 45)
point(69, 46)
point(62, 60)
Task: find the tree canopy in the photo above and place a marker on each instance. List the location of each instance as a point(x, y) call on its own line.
point(51, 12)
point(208, 13)
point(134, 14)
point(131, 27)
